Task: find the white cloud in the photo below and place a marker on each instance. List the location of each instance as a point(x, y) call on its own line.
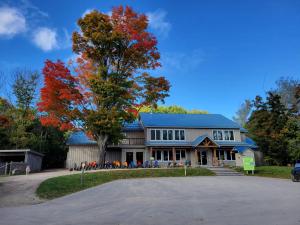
point(183, 61)
point(12, 22)
point(45, 38)
point(87, 11)
point(157, 22)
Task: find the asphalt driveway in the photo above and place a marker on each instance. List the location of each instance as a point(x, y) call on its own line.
point(194, 200)
point(20, 190)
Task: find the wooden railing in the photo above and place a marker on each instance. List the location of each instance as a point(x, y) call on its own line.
point(133, 141)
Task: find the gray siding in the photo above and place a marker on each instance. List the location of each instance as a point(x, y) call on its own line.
point(34, 161)
point(88, 153)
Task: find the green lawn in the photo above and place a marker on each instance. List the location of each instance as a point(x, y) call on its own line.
point(271, 171)
point(63, 185)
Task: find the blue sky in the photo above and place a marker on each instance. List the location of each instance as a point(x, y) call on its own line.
point(216, 54)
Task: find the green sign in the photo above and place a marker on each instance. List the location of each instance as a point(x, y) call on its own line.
point(248, 163)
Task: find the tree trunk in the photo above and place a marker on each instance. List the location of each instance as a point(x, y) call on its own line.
point(102, 143)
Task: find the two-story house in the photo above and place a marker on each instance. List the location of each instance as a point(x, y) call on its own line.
point(202, 139)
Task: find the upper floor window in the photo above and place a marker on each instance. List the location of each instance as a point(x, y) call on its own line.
point(167, 134)
point(221, 135)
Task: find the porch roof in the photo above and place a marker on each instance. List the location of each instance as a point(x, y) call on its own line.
point(248, 143)
point(201, 138)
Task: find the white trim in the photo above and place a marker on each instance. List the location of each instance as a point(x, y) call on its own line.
point(223, 135)
point(173, 134)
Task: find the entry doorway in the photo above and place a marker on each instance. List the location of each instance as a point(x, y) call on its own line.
point(139, 157)
point(129, 157)
point(202, 157)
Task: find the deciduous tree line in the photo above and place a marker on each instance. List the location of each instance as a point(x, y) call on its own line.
point(20, 125)
point(274, 122)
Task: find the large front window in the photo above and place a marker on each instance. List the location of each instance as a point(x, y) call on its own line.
point(223, 135)
point(225, 155)
point(180, 155)
point(163, 155)
point(167, 135)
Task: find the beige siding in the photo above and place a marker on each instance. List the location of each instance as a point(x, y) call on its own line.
point(81, 153)
point(134, 134)
point(113, 155)
point(192, 134)
point(88, 153)
point(239, 156)
point(243, 136)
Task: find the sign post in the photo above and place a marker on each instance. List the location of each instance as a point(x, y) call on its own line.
point(249, 164)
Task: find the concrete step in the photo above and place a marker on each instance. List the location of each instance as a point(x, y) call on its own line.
point(219, 171)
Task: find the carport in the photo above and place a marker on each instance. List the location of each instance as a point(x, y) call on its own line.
point(20, 158)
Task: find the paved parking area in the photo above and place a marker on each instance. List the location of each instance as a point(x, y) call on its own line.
point(228, 200)
point(20, 190)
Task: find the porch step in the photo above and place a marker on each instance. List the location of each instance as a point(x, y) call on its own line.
point(221, 171)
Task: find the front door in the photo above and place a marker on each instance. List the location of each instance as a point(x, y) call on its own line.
point(129, 157)
point(202, 157)
point(139, 157)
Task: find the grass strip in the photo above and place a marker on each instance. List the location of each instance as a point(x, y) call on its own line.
point(64, 185)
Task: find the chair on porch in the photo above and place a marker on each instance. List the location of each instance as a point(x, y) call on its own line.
point(156, 165)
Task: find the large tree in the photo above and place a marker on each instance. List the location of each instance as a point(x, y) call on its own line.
point(243, 113)
point(22, 115)
point(110, 80)
point(287, 88)
point(267, 125)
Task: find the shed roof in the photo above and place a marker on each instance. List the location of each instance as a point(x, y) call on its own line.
point(80, 138)
point(21, 151)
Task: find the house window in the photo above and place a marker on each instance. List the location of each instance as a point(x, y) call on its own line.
point(158, 155)
point(225, 155)
point(228, 155)
point(163, 155)
point(231, 135)
point(182, 137)
point(221, 157)
point(170, 155)
point(157, 134)
point(220, 136)
point(180, 155)
point(167, 135)
point(176, 134)
point(226, 135)
point(152, 134)
point(233, 156)
point(170, 134)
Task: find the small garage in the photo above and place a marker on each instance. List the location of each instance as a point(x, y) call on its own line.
point(19, 159)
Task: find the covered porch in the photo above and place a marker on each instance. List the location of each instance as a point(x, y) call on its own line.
point(203, 151)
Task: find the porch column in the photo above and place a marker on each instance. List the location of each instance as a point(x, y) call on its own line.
point(174, 154)
point(215, 157)
point(150, 152)
point(195, 157)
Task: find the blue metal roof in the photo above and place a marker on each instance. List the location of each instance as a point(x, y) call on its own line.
point(187, 121)
point(79, 138)
point(243, 130)
point(251, 142)
point(134, 126)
